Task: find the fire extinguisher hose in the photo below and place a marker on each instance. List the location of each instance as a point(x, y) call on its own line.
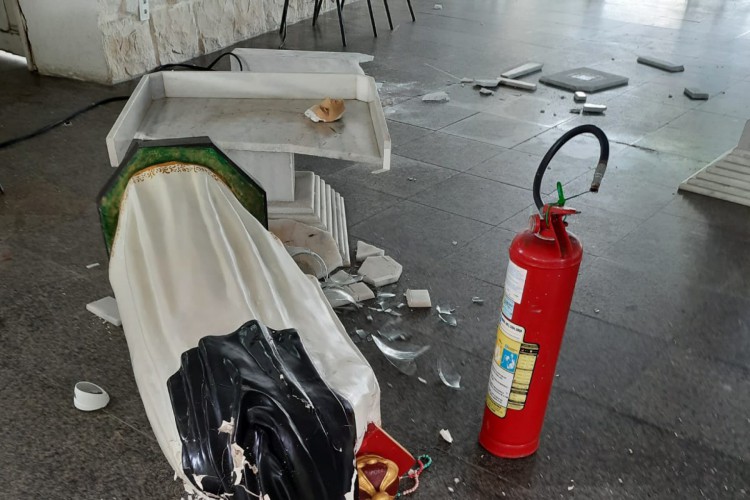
point(601, 167)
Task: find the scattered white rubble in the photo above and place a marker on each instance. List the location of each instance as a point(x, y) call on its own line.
point(436, 97)
point(365, 250)
point(106, 308)
point(486, 92)
point(446, 435)
point(380, 271)
point(418, 298)
point(91, 266)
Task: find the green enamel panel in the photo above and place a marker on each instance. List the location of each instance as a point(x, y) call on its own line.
point(145, 154)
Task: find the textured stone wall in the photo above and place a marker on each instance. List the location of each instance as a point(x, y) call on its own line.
point(181, 29)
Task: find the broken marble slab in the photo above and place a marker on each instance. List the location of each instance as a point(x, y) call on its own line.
point(486, 92)
point(594, 108)
point(522, 70)
point(517, 84)
point(660, 64)
point(360, 291)
point(418, 298)
point(696, 94)
point(487, 83)
point(106, 309)
point(380, 271)
point(579, 96)
point(365, 250)
point(436, 97)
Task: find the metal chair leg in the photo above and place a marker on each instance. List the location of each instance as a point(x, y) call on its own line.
point(341, 22)
point(282, 26)
point(372, 19)
point(388, 13)
point(316, 13)
point(413, 19)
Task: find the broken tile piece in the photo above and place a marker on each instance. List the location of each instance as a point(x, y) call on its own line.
point(360, 291)
point(579, 96)
point(436, 97)
point(696, 94)
point(584, 79)
point(106, 309)
point(517, 84)
point(467, 80)
point(437, 6)
point(446, 434)
point(485, 91)
point(365, 250)
point(522, 70)
point(594, 108)
point(491, 83)
point(660, 64)
point(380, 271)
point(418, 298)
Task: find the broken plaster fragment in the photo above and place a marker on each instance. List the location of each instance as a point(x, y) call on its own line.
point(106, 308)
point(96, 264)
point(448, 319)
point(446, 435)
point(486, 92)
point(579, 96)
point(518, 84)
point(594, 108)
point(467, 80)
point(360, 291)
point(477, 300)
point(380, 271)
point(696, 94)
point(365, 250)
point(450, 488)
point(422, 380)
point(418, 298)
point(487, 83)
point(437, 6)
point(436, 97)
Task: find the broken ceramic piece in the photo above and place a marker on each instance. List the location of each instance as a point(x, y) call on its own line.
point(517, 84)
point(299, 235)
point(448, 319)
point(579, 96)
point(394, 335)
point(445, 309)
point(467, 80)
point(418, 298)
point(106, 309)
point(486, 92)
point(660, 64)
point(360, 291)
point(308, 261)
point(487, 83)
point(584, 79)
point(436, 97)
point(477, 300)
point(328, 110)
point(446, 435)
point(696, 94)
point(380, 271)
point(594, 108)
point(365, 250)
point(522, 70)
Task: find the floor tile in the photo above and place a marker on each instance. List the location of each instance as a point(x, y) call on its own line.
point(492, 129)
point(448, 151)
point(428, 115)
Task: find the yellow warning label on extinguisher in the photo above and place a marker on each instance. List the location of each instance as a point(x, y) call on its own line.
point(512, 368)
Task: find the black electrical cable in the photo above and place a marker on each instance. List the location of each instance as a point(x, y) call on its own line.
point(600, 167)
point(50, 126)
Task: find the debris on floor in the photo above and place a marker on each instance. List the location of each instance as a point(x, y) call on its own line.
point(584, 79)
point(477, 300)
point(696, 94)
point(660, 64)
point(418, 298)
point(299, 237)
point(594, 108)
point(517, 84)
point(92, 266)
point(89, 397)
point(437, 6)
point(365, 250)
point(422, 380)
point(436, 97)
point(380, 271)
point(447, 317)
point(486, 92)
point(579, 96)
point(106, 309)
point(360, 291)
point(446, 435)
point(522, 70)
point(467, 80)
point(328, 110)
point(339, 297)
point(487, 83)
point(448, 374)
point(401, 355)
point(308, 261)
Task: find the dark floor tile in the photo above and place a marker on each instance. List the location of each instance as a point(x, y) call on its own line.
point(361, 203)
point(711, 211)
point(584, 147)
point(485, 258)
point(631, 297)
point(518, 169)
point(413, 232)
point(402, 133)
point(324, 167)
point(689, 394)
point(492, 129)
point(448, 151)
point(660, 168)
point(396, 181)
point(89, 455)
point(479, 199)
point(429, 115)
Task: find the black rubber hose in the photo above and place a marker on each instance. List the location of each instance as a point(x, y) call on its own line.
point(601, 167)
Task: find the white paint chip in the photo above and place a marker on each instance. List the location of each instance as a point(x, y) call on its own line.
point(422, 380)
point(106, 309)
point(92, 266)
point(418, 298)
point(450, 488)
point(437, 6)
point(380, 271)
point(365, 250)
point(446, 435)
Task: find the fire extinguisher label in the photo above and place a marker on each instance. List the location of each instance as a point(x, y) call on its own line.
point(512, 368)
point(515, 281)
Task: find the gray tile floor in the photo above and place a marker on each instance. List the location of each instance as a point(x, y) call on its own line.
point(653, 389)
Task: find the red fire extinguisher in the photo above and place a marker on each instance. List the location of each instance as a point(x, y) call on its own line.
point(539, 284)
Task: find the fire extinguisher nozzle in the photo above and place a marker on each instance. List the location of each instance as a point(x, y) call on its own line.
point(598, 176)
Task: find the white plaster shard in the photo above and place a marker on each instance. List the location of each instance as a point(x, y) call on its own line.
point(486, 92)
point(105, 308)
point(418, 298)
point(446, 435)
point(227, 427)
point(360, 292)
point(365, 250)
point(380, 271)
